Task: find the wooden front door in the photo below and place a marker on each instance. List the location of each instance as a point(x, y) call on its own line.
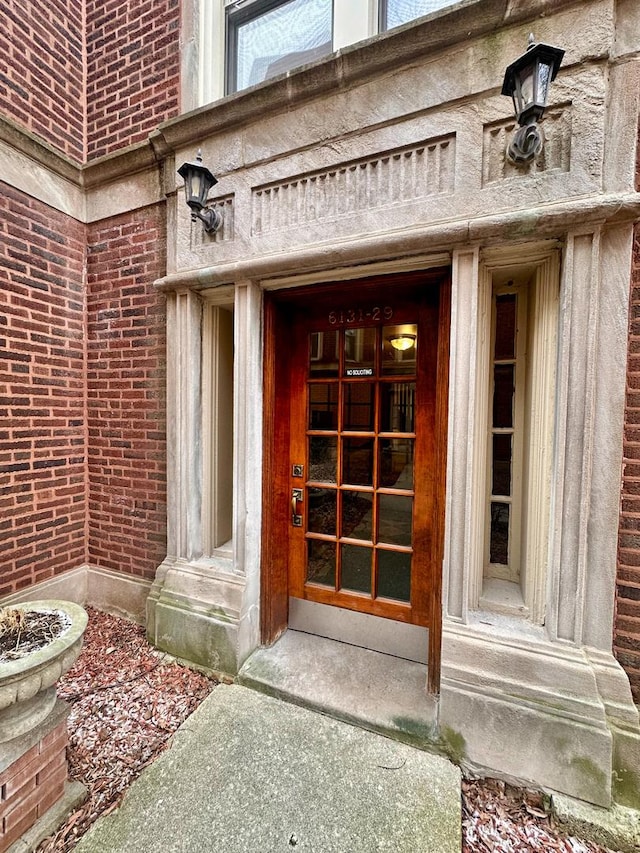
point(356, 449)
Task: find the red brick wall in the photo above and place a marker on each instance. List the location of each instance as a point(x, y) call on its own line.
point(32, 784)
point(627, 627)
point(42, 424)
point(126, 398)
point(41, 76)
point(133, 68)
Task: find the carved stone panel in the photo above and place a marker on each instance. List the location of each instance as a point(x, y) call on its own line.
point(400, 175)
point(555, 154)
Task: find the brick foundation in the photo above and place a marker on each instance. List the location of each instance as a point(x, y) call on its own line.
point(33, 782)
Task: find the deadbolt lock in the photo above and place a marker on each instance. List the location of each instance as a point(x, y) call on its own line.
point(297, 470)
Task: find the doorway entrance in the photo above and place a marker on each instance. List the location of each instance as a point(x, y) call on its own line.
point(355, 429)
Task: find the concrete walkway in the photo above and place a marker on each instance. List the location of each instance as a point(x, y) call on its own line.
point(248, 773)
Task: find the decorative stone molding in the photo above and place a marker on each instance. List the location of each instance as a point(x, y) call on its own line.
point(224, 205)
point(400, 175)
point(555, 154)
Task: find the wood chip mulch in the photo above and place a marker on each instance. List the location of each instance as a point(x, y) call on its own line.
point(127, 701)
point(500, 818)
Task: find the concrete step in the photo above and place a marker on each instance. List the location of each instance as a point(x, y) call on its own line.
point(378, 692)
point(247, 772)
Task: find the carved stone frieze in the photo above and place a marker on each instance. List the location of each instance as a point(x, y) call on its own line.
point(400, 175)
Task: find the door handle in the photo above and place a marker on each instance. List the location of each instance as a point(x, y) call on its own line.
point(296, 519)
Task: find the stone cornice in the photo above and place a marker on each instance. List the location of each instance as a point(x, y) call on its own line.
point(544, 222)
point(35, 149)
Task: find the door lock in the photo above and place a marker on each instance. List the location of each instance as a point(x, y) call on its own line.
point(296, 495)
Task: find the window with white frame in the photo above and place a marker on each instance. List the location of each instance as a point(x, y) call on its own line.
point(244, 42)
point(521, 307)
point(505, 432)
point(267, 38)
point(394, 13)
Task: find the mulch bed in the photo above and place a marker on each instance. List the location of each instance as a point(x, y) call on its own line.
point(127, 701)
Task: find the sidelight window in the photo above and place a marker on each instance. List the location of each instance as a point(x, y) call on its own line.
point(521, 307)
point(505, 434)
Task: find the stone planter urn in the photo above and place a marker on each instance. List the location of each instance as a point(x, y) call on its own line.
point(28, 684)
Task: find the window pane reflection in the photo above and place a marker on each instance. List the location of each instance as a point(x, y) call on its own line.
point(402, 11)
point(359, 352)
point(499, 542)
point(396, 463)
point(503, 389)
point(357, 461)
point(322, 516)
point(357, 515)
point(321, 562)
point(505, 343)
point(394, 575)
point(358, 406)
point(323, 406)
point(501, 484)
point(356, 568)
point(323, 459)
point(323, 353)
point(292, 34)
point(399, 347)
point(397, 405)
point(395, 519)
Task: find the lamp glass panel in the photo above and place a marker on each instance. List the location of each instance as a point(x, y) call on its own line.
point(527, 81)
point(195, 183)
point(281, 38)
point(544, 78)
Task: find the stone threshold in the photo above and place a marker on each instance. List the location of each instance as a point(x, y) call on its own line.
point(375, 691)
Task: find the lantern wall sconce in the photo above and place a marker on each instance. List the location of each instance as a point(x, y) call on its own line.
point(527, 81)
point(198, 180)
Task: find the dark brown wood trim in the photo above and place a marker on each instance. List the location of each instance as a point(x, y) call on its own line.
point(442, 420)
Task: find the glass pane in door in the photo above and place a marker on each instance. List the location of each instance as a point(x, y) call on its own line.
point(359, 498)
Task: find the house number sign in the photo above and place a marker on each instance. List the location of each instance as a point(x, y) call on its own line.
point(359, 315)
